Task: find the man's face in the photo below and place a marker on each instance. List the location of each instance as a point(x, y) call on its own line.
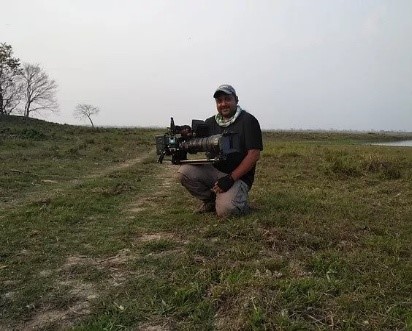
point(226, 105)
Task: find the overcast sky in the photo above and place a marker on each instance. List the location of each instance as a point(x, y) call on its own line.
point(296, 64)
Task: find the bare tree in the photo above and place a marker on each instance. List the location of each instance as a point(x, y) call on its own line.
point(10, 88)
point(39, 90)
point(84, 111)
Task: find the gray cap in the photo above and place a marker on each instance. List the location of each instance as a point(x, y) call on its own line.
point(227, 89)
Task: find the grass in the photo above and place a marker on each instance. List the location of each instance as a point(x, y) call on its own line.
point(95, 235)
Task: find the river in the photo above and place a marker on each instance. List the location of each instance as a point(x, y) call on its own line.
point(403, 143)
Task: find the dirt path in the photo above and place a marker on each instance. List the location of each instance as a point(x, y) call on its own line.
point(85, 293)
point(124, 165)
point(53, 188)
point(166, 178)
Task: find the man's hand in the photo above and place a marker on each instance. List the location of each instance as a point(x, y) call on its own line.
point(224, 184)
point(186, 131)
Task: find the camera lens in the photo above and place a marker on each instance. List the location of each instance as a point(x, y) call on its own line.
point(208, 144)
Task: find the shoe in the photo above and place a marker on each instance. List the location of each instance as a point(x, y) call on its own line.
point(206, 207)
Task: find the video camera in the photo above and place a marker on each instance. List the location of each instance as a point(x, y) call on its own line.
point(180, 140)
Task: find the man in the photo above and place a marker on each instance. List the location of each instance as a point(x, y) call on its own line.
point(224, 186)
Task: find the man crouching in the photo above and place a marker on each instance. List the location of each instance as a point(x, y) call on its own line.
point(223, 187)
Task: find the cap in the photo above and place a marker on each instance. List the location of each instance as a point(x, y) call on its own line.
point(227, 89)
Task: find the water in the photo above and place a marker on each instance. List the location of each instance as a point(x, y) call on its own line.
point(404, 143)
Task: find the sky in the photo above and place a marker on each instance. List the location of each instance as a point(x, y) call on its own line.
point(295, 64)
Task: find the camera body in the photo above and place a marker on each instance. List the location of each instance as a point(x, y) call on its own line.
point(181, 140)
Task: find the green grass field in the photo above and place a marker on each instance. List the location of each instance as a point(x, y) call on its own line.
point(95, 235)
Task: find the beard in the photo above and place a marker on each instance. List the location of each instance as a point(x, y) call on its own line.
point(227, 112)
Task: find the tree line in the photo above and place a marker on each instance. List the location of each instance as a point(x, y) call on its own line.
point(26, 88)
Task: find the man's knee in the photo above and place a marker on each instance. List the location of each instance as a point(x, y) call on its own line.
point(183, 173)
point(226, 208)
point(234, 202)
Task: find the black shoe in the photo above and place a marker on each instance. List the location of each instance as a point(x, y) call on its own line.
point(206, 207)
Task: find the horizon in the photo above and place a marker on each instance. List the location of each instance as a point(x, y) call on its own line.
point(407, 133)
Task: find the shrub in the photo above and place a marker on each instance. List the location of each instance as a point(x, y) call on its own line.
point(387, 169)
point(32, 134)
point(343, 164)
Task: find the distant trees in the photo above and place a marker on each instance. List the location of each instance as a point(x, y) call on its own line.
point(10, 87)
point(25, 90)
point(39, 91)
point(83, 111)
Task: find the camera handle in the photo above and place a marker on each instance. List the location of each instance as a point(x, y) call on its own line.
point(198, 161)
